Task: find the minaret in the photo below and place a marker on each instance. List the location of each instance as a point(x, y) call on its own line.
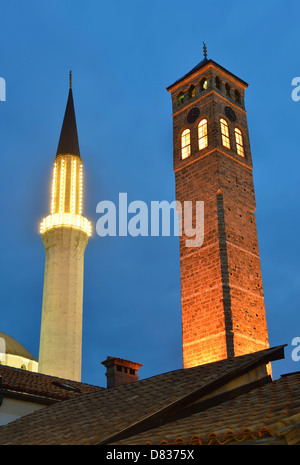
point(223, 312)
point(65, 234)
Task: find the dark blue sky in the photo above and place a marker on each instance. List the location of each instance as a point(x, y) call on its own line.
point(123, 56)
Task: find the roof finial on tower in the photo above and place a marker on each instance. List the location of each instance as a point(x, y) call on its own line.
point(70, 79)
point(204, 50)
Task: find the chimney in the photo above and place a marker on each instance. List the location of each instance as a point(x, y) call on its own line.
point(120, 371)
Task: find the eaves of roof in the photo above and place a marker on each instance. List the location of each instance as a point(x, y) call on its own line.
point(38, 387)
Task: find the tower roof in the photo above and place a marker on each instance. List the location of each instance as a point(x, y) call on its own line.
point(68, 141)
point(203, 63)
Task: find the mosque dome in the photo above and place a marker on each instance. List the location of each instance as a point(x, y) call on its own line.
point(13, 353)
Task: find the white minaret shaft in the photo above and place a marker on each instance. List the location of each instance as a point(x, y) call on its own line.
point(65, 235)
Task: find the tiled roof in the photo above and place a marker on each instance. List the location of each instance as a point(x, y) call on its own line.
point(169, 408)
point(16, 381)
point(259, 414)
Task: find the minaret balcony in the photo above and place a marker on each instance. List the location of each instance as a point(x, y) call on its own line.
point(68, 220)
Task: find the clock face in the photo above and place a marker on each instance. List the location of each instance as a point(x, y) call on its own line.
point(230, 114)
point(193, 115)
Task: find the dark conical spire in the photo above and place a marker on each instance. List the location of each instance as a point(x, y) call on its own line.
point(68, 141)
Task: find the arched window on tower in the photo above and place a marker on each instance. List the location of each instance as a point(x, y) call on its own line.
point(202, 134)
point(192, 91)
point(225, 133)
point(185, 144)
point(227, 89)
point(237, 96)
point(218, 82)
point(203, 84)
point(180, 98)
point(239, 142)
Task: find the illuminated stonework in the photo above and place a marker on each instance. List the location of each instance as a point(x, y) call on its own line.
point(222, 301)
point(66, 197)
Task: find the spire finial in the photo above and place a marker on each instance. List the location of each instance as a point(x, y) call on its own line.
point(204, 50)
point(68, 141)
point(70, 79)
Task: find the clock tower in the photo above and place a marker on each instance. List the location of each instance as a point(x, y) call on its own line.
point(223, 312)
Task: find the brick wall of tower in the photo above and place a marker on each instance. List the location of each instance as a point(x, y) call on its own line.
point(223, 313)
point(201, 280)
point(244, 270)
